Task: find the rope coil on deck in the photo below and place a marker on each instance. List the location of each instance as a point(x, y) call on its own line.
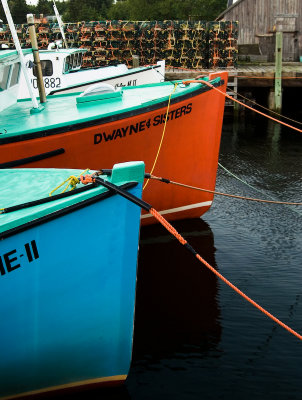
point(72, 182)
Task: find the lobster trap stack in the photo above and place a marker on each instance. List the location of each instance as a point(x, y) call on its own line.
point(222, 44)
point(182, 44)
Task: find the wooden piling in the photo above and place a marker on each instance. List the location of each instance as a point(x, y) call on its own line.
point(278, 72)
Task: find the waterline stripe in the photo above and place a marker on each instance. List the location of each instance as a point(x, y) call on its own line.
point(179, 209)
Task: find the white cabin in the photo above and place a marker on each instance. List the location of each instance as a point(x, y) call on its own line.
point(10, 73)
point(56, 64)
point(62, 73)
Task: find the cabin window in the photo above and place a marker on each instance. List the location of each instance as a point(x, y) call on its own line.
point(47, 69)
point(15, 74)
point(71, 61)
point(68, 64)
point(75, 60)
point(80, 58)
point(4, 74)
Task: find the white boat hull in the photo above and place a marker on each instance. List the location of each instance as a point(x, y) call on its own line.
point(118, 79)
point(77, 80)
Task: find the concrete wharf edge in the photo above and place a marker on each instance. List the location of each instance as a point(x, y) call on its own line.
point(249, 75)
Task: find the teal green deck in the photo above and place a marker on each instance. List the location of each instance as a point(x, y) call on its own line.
point(63, 110)
point(25, 185)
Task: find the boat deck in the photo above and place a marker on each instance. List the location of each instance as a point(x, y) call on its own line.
point(17, 119)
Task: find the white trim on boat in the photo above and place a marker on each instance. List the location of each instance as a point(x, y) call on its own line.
point(178, 209)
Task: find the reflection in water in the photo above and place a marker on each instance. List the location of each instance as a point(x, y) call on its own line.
point(176, 303)
point(238, 353)
point(177, 325)
point(91, 393)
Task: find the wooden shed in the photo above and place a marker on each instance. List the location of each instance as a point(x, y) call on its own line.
point(259, 20)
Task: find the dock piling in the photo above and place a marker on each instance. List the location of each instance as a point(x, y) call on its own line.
point(278, 72)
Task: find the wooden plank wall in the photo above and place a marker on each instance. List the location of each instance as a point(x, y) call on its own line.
point(259, 19)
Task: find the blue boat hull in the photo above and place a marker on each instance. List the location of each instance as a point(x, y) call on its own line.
point(68, 296)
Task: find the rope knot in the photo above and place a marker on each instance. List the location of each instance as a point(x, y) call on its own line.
point(71, 183)
point(85, 179)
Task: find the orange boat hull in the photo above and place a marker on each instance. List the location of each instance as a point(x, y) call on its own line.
point(189, 151)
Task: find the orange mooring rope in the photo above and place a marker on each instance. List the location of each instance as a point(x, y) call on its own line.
point(165, 180)
point(172, 230)
point(239, 102)
point(147, 207)
point(265, 108)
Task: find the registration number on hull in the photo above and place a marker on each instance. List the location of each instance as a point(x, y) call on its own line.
point(13, 259)
point(49, 83)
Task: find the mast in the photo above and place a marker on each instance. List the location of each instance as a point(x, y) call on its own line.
point(34, 45)
point(60, 24)
point(19, 50)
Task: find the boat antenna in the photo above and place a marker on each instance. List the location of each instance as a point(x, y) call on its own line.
point(61, 26)
point(11, 25)
point(34, 45)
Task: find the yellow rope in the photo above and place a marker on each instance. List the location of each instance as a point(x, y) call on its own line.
point(163, 134)
point(72, 181)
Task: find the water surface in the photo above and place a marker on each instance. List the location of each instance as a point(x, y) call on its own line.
point(194, 337)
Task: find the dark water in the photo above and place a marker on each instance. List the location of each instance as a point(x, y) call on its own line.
point(194, 337)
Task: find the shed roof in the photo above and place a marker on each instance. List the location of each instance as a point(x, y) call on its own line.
point(228, 9)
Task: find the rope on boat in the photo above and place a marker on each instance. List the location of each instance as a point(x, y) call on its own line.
point(265, 108)
point(165, 180)
point(251, 186)
point(72, 182)
point(171, 229)
point(251, 101)
point(163, 134)
point(183, 241)
point(45, 199)
point(239, 102)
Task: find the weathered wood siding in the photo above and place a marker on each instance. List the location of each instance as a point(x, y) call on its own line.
point(260, 19)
